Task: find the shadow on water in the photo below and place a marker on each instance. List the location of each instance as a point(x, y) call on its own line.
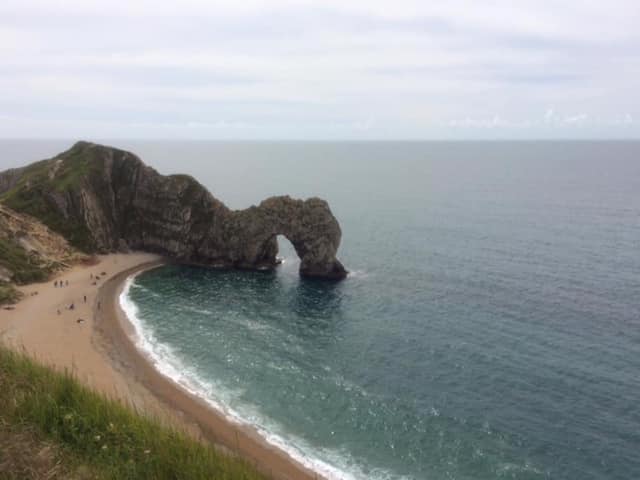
point(308, 299)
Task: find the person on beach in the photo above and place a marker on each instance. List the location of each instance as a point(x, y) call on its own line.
point(85, 299)
point(58, 311)
point(98, 305)
point(67, 283)
point(55, 284)
point(72, 307)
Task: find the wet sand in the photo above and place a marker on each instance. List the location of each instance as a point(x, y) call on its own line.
point(94, 340)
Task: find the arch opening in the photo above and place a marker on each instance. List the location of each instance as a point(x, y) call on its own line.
point(286, 254)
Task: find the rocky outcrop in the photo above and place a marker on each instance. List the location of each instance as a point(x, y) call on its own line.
point(104, 199)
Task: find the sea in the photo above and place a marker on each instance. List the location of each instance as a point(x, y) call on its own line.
point(489, 327)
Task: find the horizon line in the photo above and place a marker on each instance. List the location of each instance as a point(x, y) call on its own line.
point(323, 140)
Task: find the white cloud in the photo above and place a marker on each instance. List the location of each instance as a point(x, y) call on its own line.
point(307, 67)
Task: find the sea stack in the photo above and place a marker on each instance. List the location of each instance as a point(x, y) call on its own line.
point(103, 199)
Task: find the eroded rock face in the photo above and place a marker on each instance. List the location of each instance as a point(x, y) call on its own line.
point(105, 199)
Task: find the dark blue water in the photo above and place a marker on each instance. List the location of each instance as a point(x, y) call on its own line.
point(491, 328)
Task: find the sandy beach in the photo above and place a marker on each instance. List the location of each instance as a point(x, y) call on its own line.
point(93, 340)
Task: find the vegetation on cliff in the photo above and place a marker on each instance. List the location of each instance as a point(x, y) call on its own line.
point(53, 427)
point(37, 188)
point(8, 293)
point(29, 252)
point(24, 267)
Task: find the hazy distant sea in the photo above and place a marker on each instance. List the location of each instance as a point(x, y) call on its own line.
point(490, 327)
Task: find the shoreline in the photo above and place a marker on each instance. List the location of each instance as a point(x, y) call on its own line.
point(95, 341)
point(114, 326)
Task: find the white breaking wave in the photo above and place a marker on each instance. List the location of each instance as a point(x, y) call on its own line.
point(357, 274)
point(165, 360)
point(197, 310)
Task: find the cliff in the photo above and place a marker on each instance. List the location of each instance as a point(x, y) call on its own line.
point(102, 199)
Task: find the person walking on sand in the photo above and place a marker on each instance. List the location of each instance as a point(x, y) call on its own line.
point(85, 299)
point(98, 305)
point(55, 284)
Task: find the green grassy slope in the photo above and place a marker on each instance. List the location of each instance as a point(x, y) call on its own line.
point(89, 436)
point(25, 269)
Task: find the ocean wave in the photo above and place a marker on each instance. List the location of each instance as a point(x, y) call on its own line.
point(146, 290)
point(252, 325)
point(196, 310)
point(359, 274)
point(334, 465)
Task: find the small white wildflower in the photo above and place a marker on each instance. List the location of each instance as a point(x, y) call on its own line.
point(104, 447)
point(97, 438)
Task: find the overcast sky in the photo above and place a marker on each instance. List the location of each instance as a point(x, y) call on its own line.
point(331, 69)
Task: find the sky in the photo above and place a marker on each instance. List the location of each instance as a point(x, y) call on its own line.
point(320, 70)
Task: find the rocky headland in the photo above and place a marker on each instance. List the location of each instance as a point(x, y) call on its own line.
point(102, 199)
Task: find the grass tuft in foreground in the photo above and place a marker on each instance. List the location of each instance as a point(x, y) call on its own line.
point(87, 436)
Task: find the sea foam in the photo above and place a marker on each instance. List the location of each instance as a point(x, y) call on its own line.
point(338, 466)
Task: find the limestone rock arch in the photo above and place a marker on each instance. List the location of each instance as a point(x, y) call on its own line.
point(308, 224)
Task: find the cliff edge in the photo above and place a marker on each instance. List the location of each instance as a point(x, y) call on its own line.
point(102, 199)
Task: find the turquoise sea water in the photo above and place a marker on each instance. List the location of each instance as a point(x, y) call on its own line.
point(490, 328)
